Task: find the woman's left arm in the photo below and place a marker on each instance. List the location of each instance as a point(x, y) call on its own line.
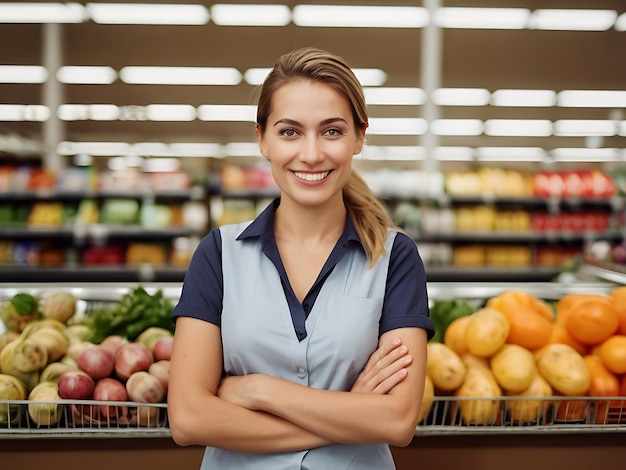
point(344, 417)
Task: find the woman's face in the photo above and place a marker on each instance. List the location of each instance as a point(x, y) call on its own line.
point(310, 140)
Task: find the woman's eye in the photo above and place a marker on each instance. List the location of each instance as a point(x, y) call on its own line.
point(334, 132)
point(288, 132)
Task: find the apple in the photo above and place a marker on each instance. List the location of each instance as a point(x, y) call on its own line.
point(162, 349)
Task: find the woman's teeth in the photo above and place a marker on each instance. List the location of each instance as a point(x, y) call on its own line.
point(312, 176)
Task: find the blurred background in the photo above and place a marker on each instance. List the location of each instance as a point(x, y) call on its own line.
point(497, 130)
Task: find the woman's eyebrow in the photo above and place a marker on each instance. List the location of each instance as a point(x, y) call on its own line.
point(325, 122)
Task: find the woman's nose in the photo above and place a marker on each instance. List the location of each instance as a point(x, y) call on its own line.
point(311, 152)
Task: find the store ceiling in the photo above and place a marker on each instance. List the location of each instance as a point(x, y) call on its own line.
point(491, 59)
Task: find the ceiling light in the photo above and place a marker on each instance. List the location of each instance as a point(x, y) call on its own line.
point(592, 99)
point(620, 24)
point(154, 149)
point(245, 113)
point(453, 154)
point(456, 127)
point(24, 112)
point(146, 13)
point(579, 20)
point(170, 112)
point(242, 149)
point(393, 152)
point(481, 18)
point(461, 97)
point(524, 98)
point(397, 126)
point(360, 16)
point(256, 76)
point(250, 15)
point(23, 74)
point(97, 149)
point(584, 127)
point(506, 154)
point(191, 149)
point(370, 77)
point(580, 155)
point(181, 75)
point(85, 112)
point(14, 12)
point(160, 165)
point(518, 127)
point(87, 75)
point(622, 128)
point(402, 96)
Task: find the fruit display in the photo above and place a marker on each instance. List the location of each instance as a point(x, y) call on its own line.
point(521, 360)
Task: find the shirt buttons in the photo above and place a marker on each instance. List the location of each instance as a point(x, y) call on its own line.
point(301, 372)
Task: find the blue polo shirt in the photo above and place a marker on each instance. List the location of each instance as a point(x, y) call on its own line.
point(405, 301)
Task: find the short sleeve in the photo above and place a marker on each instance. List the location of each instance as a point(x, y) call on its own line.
point(202, 292)
point(406, 296)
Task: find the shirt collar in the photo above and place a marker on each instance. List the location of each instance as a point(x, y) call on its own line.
point(263, 226)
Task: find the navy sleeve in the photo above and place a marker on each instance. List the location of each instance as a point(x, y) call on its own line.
point(202, 291)
point(406, 296)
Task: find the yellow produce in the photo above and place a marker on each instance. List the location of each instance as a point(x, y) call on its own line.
point(45, 413)
point(444, 367)
point(478, 396)
point(11, 388)
point(55, 342)
point(427, 400)
point(54, 370)
point(7, 337)
point(529, 411)
point(37, 325)
point(78, 333)
point(59, 306)
point(486, 332)
point(564, 369)
point(513, 367)
point(454, 336)
point(28, 356)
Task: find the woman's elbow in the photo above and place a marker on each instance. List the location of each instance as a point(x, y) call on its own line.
point(404, 428)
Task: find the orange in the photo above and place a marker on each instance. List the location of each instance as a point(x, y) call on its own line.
point(560, 335)
point(513, 299)
point(591, 321)
point(618, 296)
point(564, 305)
point(454, 337)
point(528, 328)
point(612, 352)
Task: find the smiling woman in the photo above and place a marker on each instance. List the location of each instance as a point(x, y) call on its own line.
point(294, 326)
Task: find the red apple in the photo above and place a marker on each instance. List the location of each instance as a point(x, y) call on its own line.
point(162, 349)
point(132, 358)
point(97, 361)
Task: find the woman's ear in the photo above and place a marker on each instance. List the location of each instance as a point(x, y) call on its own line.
point(358, 146)
point(262, 143)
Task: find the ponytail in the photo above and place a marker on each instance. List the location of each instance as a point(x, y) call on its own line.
point(370, 217)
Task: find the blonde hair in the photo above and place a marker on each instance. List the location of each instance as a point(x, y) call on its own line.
point(370, 217)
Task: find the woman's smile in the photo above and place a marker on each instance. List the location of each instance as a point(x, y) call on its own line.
point(312, 177)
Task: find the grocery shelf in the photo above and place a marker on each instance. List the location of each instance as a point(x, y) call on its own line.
point(616, 273)
point(491, 273)
point(77, 195)
point(508, 237)
point(95, 274)
point(97, 231)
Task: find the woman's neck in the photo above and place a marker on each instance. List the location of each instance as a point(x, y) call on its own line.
point(309, 224)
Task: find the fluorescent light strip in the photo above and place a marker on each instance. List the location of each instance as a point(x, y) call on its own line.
point(145, 13)
point(585, 127)
point(518, 127)
point(461, 97)
point(622, 128)
point(370, 77)
point(184, 149)
point(242, 149)
point(88, 112)
point(398, 153)
point(243, 113)
point(401, 96)
point(360, 16)
point(23, 74)
point(579, 155)
point(180, 75)
point(15, 12)
point(592, 99)
point(256, 76)
point(250, 15)
point(523, 98)
point(397, 126)
point(511, 154)
point(573, 20)
point(170, 112)
point(453, 154)
point(24, 112)
point(620, 24)
point(481, 18)
point(88, 75)
point(96, 149)
point(465, 127)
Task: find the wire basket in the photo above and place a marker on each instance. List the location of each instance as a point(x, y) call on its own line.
point(555, 414)
point(71, 417)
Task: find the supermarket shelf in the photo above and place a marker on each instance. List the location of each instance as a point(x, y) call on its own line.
point(491, 274)
point(77, 195)
point(99, 274)
point(616, 273)
point(97, 231)
point(531, 201)
point(508, 237)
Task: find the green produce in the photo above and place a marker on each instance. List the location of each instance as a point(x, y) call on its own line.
point(60, 306)
point(151, 335)
point(48, 412)
point(135, 312)
point(11, 388)
point(18, 311)
point(444, 312)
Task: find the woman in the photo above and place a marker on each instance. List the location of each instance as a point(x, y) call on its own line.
point(301, 337)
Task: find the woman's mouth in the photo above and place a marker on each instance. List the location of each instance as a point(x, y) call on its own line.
point(312, 177)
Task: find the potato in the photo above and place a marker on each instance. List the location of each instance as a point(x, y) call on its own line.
point(480, 384)
point(564, 369)
point(486, 332)
point(427, 400)
point(513, 367)
point(444, 367)
point(529, 411)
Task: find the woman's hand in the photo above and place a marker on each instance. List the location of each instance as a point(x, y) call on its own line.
point(385, 369)
point(239, 390)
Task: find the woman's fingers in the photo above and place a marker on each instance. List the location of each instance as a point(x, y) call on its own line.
point(384, 369)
